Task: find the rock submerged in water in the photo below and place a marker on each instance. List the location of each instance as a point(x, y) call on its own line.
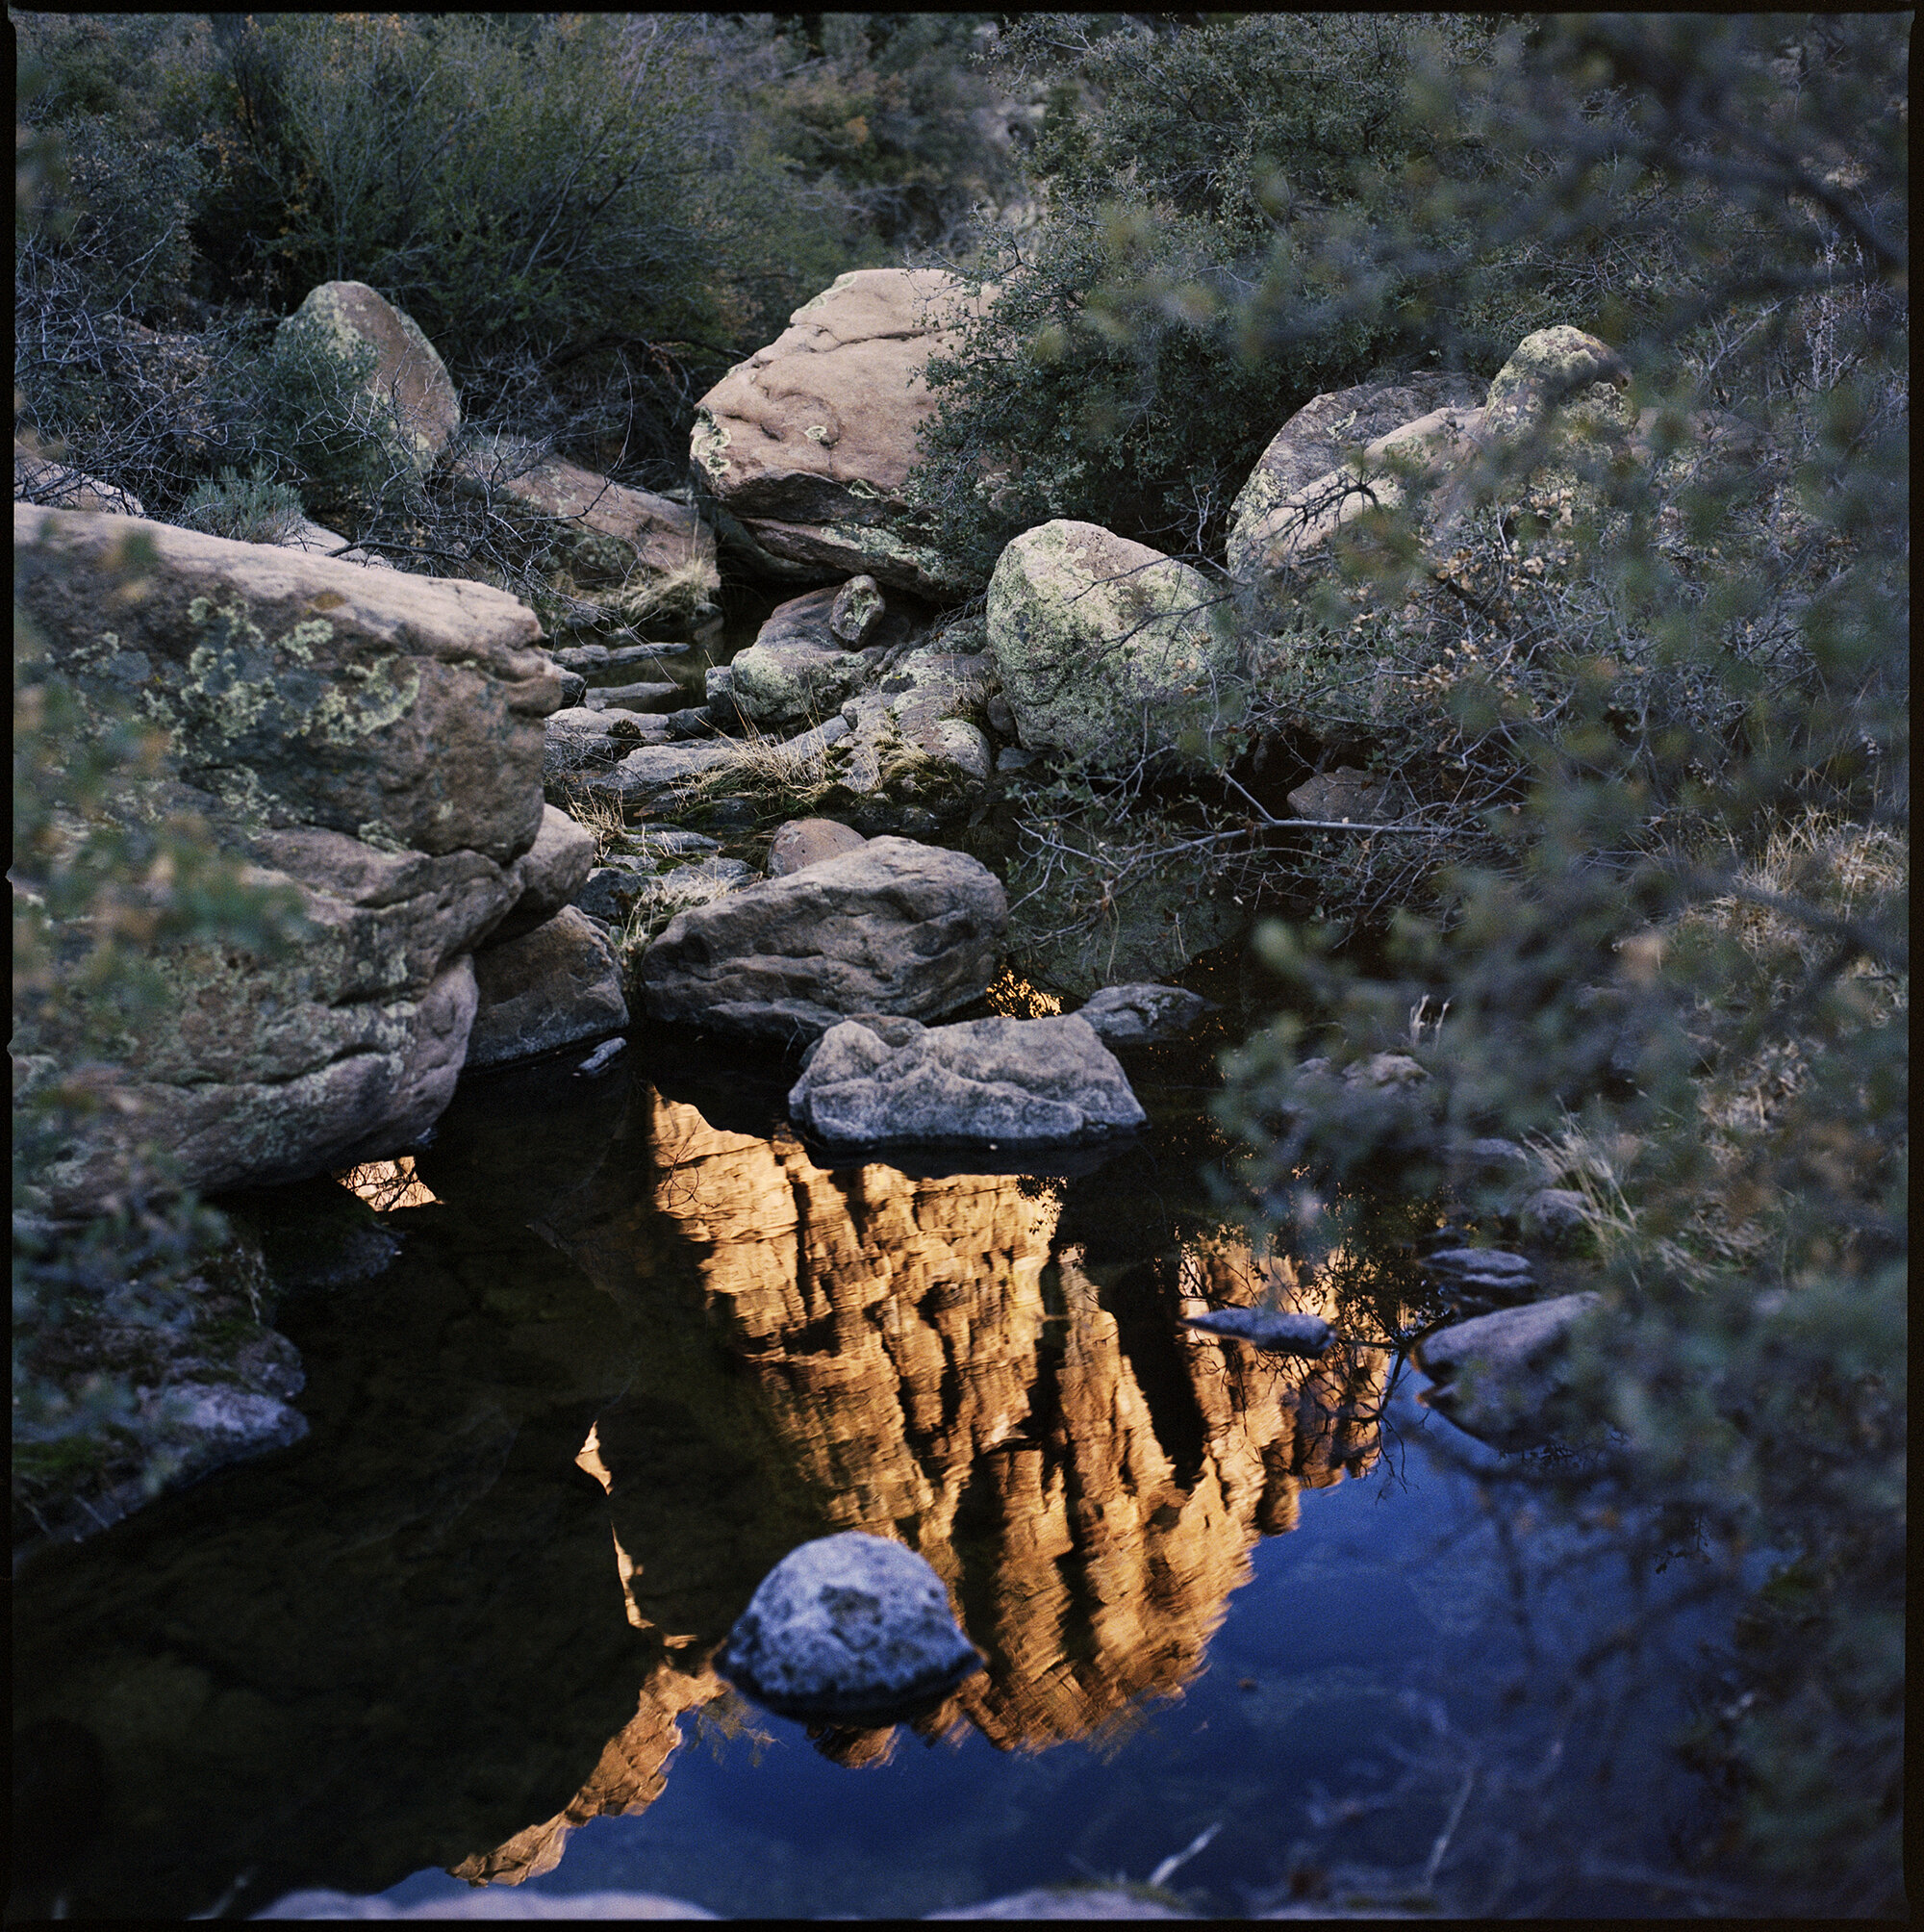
point(994, 1082)
point(1268, 1329)
point(1485, 1276)
point(1500, 1375)
point(847, 1626)
point(1128, 1014)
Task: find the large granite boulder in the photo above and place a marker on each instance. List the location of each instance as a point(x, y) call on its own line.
point(547, 988)
point(1313, 442)
point(1107, 650)
point(406, 397)
point(895, 928)
point(371, 739)
point(808, 444)
point(624, 550)
point(846, 1627)
point(994, 1082)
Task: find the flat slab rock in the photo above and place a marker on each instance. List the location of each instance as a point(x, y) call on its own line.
point(994, 1082)
point(847, 1626)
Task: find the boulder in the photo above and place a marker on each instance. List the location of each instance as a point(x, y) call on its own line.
point(371, 739)
point(406, 397)
point(548, 989)
point(547, 874)
point(645, 696)
point(1557, 1215)
point(858, 607)
point(1107, 650)
point(1133, 1014)
point(317, 537)
point(894, 928)
point(1559, 369)
point(994, 1082)
point(40, 479)
point(1499, 1375)
point(1314, 442)
point(805, 842)
point(1481, 1277)
point(626, 550)
point(654, 775)
point(799, 670)
point(634, 890)
point(1344, 794)
point(809, 442)
point(844, 1627)
point(915, 754)
point(581, 739)
point(1376, 477)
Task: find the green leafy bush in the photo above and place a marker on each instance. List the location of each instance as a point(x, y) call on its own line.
point(1671, 765)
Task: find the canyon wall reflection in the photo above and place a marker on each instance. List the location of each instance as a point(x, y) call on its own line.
point(923, 1359)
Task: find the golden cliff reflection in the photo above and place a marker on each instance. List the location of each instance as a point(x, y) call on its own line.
point(923, 1358)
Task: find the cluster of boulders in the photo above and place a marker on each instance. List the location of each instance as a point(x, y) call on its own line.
point(416, 757)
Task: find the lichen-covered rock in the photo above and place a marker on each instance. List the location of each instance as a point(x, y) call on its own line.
point(548, 989)
point(407, 398)
point(894, 928)
point(994, 1082)
point(1312, 444)
point(915, 753)
point(373, 740)
point(299, 691)
point(809, 442)
point(798, 670)
point(1107, 650)
point(847, 1626)
point(1562, 370)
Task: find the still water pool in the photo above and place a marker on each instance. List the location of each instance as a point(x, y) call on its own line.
point(611, 1349)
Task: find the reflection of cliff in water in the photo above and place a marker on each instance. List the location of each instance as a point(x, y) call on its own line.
point(1085, 1474)
point(411, 1639)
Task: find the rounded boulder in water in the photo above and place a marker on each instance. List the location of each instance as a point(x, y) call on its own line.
point(847, 1626)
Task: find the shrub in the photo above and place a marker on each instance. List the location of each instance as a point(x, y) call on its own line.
point(253, 509)
point(1673, 950)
